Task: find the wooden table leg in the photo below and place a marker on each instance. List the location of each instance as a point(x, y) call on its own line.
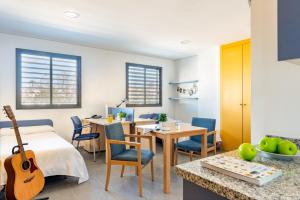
point(132, 131)
point(154, 144)
point(172, 152)
point(204, 145)
point(167, 163)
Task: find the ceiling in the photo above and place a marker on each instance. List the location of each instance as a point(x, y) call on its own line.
point(149, 27)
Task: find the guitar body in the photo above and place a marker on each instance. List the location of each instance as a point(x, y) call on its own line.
point(24, 179)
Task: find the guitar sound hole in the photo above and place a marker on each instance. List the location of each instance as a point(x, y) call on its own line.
point(26, 165)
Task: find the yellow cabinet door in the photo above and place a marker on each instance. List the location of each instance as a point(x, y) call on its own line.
point(247, 92)
point(235, 94)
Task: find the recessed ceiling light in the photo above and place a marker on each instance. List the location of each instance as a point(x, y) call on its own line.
point(71, 14)
point(184, 42)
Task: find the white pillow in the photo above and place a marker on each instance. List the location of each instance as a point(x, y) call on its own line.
point(27, 130)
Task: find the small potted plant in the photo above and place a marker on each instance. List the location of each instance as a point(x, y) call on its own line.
point(162, 118)
point(122, 116)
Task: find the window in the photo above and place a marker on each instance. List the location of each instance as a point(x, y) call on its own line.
point(47, 80)
point(143, 85)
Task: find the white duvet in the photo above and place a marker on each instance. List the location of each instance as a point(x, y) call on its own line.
point(54, 155)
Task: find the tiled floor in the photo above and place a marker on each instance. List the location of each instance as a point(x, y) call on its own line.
point(125, 188)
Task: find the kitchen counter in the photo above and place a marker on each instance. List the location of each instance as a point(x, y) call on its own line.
point(286, 187)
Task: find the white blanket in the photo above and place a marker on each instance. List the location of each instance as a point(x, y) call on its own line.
point(54, 155)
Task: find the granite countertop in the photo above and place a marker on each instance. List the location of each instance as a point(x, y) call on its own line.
point(286, 187)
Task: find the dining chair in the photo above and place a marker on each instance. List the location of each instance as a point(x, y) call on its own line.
point(193, 145)
point(78, 136)
point(119, 154)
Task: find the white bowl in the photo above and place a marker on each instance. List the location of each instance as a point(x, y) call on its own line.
point(278, 156)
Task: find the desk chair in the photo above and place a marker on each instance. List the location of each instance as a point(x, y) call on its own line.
point(78, 136)
point(193, 145)
point(118, 154)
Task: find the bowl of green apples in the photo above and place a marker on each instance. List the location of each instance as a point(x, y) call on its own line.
point(277, 148)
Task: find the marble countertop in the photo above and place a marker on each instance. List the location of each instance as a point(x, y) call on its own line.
point(286, 187)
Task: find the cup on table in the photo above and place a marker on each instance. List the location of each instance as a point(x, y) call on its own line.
point(177, 125)
point(110, 119)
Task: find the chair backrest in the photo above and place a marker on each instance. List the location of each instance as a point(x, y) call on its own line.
point(115, 132)
point(77, 125)
point(210, 124)
point(155, 116)
point(146, 116)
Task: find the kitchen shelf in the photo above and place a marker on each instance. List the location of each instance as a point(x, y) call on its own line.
point(182, 82)
point(184, 98)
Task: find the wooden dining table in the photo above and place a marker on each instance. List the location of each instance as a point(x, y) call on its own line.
point(168, 135)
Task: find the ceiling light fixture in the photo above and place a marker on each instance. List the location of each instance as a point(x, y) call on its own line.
point(71, 14)
point(184, 42)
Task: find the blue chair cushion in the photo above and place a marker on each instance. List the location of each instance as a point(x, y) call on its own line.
point(131, 155)
point(89, 136)
point(198, 138)
point(191, 145)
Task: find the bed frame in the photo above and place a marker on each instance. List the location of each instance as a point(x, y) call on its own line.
point(24, 123)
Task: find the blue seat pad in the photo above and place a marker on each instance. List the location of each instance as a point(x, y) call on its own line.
point(191, 145)
point(87, 136)
point(131, 155)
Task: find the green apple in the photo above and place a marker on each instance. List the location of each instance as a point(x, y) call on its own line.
point(287, 147)
point(277, 140)
point(268, 145)
point(247, 151)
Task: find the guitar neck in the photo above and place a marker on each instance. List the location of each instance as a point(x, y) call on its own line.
point(19, 141)
point(11, 116)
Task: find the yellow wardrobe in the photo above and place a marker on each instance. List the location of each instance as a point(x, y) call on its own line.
point(235, 94)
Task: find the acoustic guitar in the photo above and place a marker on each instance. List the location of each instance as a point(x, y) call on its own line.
point(24, 178)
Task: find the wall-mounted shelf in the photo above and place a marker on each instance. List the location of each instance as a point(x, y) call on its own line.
point(182, 82)
point(184, 98)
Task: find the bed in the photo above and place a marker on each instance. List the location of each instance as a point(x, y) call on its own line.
point(54, 155)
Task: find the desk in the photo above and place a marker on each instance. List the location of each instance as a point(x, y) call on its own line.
point(168, 138)
point(98, 127)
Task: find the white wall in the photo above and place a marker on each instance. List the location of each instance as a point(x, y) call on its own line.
point(275, 85)
point(204, 67)
point(103, 79)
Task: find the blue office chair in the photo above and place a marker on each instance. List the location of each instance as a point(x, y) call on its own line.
point(193, 145)
point(78, 136)
point(118, 154)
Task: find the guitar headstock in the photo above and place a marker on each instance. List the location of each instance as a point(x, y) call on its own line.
point(9, 113)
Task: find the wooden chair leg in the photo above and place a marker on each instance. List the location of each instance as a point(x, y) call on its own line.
point(176, 156)
point(108, 168)
point(191, 155)
point(140, 180)
point(152, 170)
point(136, 171)
point(122, 171)
point(94, 147)
point(78, 144)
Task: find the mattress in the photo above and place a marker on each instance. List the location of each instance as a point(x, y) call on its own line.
point(54, 155)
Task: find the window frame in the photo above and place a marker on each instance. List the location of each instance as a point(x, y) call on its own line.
point(19, 105)
point(160, 84)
